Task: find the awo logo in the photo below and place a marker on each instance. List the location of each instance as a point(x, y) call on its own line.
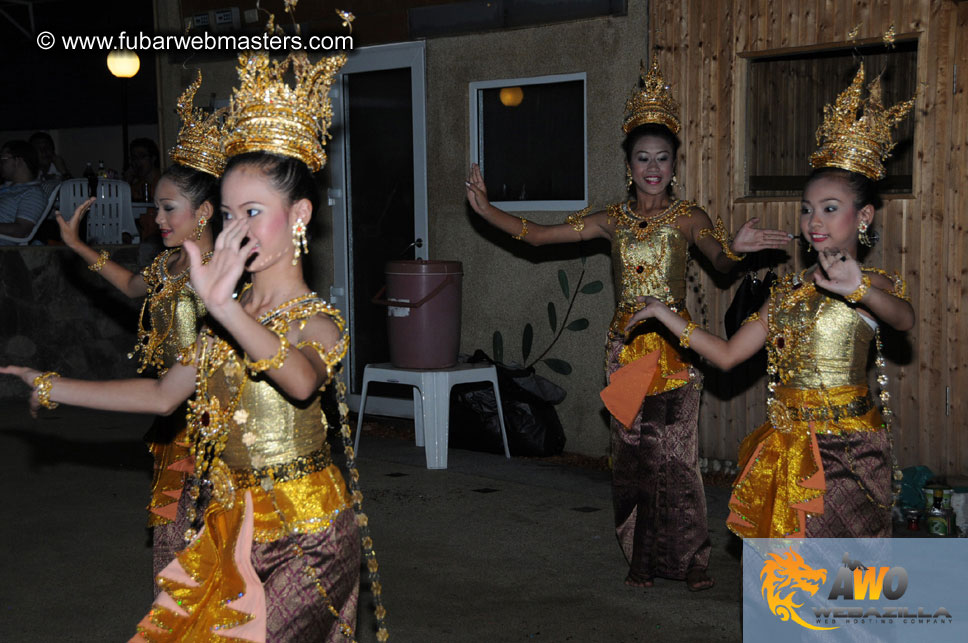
point(785, 575)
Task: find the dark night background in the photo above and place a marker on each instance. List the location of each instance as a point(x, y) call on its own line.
point(63, 89)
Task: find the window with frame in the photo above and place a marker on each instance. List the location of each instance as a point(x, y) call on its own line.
point(529, 136)
point(785, 99)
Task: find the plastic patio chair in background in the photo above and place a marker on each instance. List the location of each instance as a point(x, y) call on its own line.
point(111, 215)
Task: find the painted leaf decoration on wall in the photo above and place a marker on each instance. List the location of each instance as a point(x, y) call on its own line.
point(527, 338)
point(563, 280)
point(578, 324)
point(558, 365)
point(592, 287)
point(497, 345)
point(552, 316)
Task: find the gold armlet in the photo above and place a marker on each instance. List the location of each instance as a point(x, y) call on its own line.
point(900, 288)
point(102, 259)
point(42, 385)
point(276, 361)
point(725, 240)
point(577, 219)
point(684, 336)
point(752, 318)
point(186, 356)
point(524, 230)
point(331, 357)
point(857, 295)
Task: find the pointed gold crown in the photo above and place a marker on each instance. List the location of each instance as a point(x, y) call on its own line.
point(652, 103)
point(199, 144)
point(266, 114)
point(858, 144)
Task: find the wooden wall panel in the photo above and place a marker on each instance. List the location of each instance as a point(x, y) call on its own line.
point(923, 234)
point(957, 286)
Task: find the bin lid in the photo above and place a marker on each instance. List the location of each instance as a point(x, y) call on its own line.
point(424, 267)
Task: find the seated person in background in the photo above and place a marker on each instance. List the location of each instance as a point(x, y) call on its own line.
point(22, 201)
point(52, 165)
point(142, 173)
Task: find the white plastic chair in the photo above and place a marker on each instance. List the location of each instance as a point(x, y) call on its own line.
point(109, 217)
point(431, 402)
point(51, 193)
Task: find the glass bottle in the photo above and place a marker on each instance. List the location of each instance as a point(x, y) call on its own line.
point(91, 177)
point(937, 516)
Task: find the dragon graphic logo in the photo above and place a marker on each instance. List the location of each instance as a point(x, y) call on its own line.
point(782, 576)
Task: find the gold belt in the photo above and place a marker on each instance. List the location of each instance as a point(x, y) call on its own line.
point(855, 408)
point(291, 470)
point(632, 306)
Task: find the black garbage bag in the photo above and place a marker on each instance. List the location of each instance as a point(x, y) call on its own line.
point(528, 401)
point(749, 298)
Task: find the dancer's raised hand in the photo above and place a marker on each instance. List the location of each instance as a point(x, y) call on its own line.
point(476, 190)
point(841, 273)
point(749, 238)
point(216, 280)
point(28, 375)
point(68, 229)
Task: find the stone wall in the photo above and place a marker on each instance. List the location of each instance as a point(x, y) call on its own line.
point(55, 314)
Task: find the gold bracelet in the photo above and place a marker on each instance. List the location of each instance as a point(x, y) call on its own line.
point(857, 295)
point(732, 255)
point(276, 361)
point(101, 260)
point(686, 333)
point(42, 385)
point(524, 230)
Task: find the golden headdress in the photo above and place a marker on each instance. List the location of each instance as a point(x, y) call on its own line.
point(858, 144)
point(199, 140)
point(268, 115)
point(652, 103)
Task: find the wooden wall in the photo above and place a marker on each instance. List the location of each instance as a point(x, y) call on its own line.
point(704, 54)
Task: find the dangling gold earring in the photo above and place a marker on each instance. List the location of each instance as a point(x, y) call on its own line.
point(628, 178)
point(299, 240)
point(674, 182)
point(862, 235)
point(199, 228)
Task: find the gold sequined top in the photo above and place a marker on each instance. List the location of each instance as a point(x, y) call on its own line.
point(254, 424)
point(816, 340)
point(285, 431)
point(174, 312)
point(648, 256)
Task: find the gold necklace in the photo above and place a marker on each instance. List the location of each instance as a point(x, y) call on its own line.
point(642, 227)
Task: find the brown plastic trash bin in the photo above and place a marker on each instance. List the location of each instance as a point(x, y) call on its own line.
point(423, 312)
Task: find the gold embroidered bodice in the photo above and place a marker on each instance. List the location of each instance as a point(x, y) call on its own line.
point(285, 431)
point(648, 255)
point(241, 419)
point(815, 340)
point(174, 313)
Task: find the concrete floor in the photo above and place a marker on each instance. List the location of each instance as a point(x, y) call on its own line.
point(486, 551)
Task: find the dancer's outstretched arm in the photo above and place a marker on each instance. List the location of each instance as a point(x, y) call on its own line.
point(724, 354)
point(137, 395)
point(536, 234)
